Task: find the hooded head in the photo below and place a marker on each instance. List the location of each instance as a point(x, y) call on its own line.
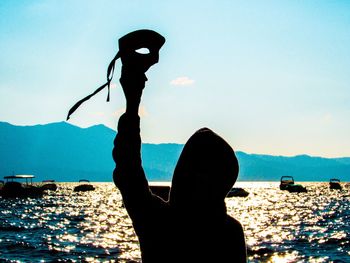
point(205, 172)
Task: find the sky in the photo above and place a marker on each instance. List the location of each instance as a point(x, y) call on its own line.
point(271, 77)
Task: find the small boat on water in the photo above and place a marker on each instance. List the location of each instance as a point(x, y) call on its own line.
point(49, 185)
point(296, 188)
point(12, 188)
point(1, 186)
point(237, 192)
point(335, 184)
point(287, 183)
point(84, 187)
point(160, 189)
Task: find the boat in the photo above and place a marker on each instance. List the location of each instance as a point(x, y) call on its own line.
point(1, 186)
point(161, 189)
point(49, 185)
point(296, 188)
point(287, 183)
point(84, 187)
point(335, 184)
point(12, 188)
point(237, 192)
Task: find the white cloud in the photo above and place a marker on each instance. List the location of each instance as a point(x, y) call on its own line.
point(118, 112)
point(182, 81)
point(142, 111)
point(327, 118)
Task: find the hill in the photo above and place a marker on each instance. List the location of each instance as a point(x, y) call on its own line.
point(65, 152)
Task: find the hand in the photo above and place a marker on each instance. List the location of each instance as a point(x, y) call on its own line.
point(133, 83)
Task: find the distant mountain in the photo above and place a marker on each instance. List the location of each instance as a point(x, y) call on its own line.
point(302, 167)
point(65, 152)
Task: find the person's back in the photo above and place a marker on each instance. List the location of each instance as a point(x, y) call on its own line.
point(208, 240)
point(206, 170)
point(193, 225)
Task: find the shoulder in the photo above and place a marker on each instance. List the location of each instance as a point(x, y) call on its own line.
point(233, 223)
point(235, 229)
point(238, 239)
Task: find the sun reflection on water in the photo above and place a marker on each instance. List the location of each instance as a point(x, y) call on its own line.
point(288, 227)
point(95, 227)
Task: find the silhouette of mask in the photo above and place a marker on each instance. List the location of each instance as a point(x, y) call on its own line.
point(133, 60)
point(130, 43)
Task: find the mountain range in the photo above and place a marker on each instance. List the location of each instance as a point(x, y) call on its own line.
point(67, 153)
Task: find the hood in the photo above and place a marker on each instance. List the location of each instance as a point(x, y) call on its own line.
point(206, 170)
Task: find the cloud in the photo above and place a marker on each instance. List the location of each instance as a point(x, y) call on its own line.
point(182, 81)
point(142, 111)
point(118, 112)
point(327, 118)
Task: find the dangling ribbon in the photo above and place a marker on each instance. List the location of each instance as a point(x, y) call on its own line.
point(110, 72)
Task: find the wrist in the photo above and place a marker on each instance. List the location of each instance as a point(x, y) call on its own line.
point(132, 111)
point(132, 77)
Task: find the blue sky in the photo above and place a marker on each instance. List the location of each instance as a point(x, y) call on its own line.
point(269, 76)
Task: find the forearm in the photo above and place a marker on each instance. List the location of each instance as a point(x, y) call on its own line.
point(129, 176)
point(127, 143)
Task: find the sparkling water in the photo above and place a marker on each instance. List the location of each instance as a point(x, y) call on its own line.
point(95, 227)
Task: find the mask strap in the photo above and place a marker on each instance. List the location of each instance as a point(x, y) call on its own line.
point(110, 72)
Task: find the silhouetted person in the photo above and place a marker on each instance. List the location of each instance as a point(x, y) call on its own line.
point(193, 225)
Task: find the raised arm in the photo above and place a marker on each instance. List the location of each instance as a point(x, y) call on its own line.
point(129, 175)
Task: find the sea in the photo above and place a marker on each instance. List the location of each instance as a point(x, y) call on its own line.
point(67, 226)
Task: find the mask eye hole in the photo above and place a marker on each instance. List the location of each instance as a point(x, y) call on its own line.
point(142, 51)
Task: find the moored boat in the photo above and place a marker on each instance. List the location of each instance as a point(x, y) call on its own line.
point(12, 188)
point(237, 192)
point(296, 188)
point(84, 187)
point(161, 189)
point(49, 185)
point(335, 184)
point(1, 186)
point(287, 183)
